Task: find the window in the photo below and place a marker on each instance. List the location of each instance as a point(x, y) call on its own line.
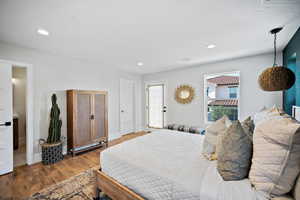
point(233, 92)
point(221, 95)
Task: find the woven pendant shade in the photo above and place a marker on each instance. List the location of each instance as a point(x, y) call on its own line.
point(276, 79)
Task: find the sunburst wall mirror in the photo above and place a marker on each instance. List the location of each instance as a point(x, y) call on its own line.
point(184, 94)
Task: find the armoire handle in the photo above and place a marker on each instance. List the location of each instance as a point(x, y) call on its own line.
point(92, 117)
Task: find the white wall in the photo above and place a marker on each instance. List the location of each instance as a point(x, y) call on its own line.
point(19, 100)
point(56, 74)
point(252, 98)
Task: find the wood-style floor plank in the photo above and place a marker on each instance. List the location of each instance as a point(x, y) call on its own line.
point(27, 180)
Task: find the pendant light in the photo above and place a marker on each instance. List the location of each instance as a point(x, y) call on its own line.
point(276, 78)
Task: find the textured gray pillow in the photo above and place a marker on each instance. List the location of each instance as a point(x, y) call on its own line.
point(234, 152)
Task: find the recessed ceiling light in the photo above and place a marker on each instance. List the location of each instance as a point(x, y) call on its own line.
point(140, 64)
point(43, 32)
point(211, 46)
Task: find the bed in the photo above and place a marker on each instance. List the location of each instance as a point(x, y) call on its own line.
point(166, 165)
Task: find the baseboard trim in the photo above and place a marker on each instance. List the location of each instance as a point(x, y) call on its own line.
point(114, 136)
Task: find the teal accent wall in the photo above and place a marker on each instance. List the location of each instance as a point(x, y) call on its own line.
point(291, 60)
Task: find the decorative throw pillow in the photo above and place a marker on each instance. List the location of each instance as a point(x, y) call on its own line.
point(276, 156)
point(266, 114)
point(175, 127)
point(192, 130)
point(171, 126)
point(248, 126)
point(211, 134)
point(180, 128)
point(186, 129)
point(261, 114)
point(196, 130)
point(234, 151)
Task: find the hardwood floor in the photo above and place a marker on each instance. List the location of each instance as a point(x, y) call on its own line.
point(27, 180)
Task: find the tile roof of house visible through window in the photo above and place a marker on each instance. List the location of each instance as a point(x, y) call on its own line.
point(225, 80)
point(225, 102)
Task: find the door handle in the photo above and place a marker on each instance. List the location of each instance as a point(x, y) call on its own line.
point(6, 124)
point(164, 109)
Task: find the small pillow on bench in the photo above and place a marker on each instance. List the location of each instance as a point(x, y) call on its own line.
point(188, 129)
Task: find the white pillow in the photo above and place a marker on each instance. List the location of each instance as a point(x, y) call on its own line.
point(276, 156)
point(266, 114)
point(211, 136)
point(261, 114)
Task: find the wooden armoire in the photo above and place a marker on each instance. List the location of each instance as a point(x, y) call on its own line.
point(86, 120)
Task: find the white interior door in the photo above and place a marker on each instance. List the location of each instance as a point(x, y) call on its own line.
point(126, 106)
point(155, 106)
point(6, 132)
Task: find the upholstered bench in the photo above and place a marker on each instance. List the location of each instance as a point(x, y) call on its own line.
point(184, 128)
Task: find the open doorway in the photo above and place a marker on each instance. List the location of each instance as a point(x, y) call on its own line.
point(7, 82)
point(19, 81)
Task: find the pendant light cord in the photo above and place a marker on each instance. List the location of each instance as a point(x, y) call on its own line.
point(275, 50)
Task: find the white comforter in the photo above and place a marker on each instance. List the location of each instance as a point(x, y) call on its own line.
point(168, 165)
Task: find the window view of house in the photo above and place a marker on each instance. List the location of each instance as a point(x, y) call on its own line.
point(222, 95)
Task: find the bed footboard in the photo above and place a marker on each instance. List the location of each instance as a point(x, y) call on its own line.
point(113, 189)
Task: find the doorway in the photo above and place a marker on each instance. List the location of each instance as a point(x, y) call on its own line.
point(156, 107)
point(19, 82)
point(127, 106)
point(8, 112)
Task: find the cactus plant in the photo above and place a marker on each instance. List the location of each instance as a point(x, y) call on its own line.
point(55, 123)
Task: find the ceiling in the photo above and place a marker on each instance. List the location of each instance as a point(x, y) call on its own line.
point(163, 34)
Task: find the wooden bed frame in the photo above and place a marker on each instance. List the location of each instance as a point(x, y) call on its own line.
point(113, 189)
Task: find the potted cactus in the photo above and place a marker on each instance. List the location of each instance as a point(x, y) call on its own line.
point(52, 147)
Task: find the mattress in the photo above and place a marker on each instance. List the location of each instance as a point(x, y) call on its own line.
point(168, 165)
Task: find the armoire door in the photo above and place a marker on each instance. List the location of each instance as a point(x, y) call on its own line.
point(83, 135)
point(99, 113)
